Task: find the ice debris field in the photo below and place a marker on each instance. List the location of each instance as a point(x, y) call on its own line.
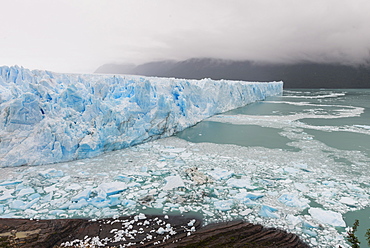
point(171, 175)
point(304, 192)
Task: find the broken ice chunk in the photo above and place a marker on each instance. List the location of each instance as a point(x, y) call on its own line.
point(223, 205)
point(173, 150)
point(243, 182)
point(113, 187)
point(309, 224)
point(26, 191)
point(329, 183)
point(246, 197)
point(123, 178)
point(78, 205)
point(301, 166)
point(293, 220)
point(85, 194)
point(169, 156)
point(292, 200)
point(157, 205)
point(65, 205)
point(21, 205)
point(191, 223)
point(219, 173)
point(354, 187)
point(56, 212)
point(301, 187)
point(8, 183)
point(246, 212)
point(160, 230)
point(51, 173)
point(328, 193)
point(248, 202)
point(114, 200)
point(6, 195)
point(98, 203)
point(17, 204)
point(128, 203)
point(47, 198)
point(327, 217)
point(268, 212)
point(50, 189)
point(173, 182)
point(34, 196)
point(254, 196)
point(348, 201)
point(290, 170)
point(141, 216)
point(362, 126)
point(73, 186)
point(310, 232)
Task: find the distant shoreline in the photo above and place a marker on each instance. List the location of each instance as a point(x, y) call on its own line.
point(304, 74)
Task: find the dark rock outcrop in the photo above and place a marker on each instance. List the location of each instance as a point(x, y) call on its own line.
point(141, 231)
point(239, 234)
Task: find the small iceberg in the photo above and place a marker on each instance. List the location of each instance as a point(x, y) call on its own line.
point(327, 217)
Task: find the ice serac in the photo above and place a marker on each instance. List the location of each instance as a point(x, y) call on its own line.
point(48, 117)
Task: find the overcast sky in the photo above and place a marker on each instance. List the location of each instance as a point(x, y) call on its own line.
point(81, 35)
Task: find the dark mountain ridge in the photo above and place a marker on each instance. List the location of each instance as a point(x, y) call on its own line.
point(300, 75)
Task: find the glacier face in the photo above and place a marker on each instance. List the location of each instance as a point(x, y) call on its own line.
point(50, 117)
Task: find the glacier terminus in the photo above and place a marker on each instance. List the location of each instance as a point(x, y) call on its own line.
point(48, 117)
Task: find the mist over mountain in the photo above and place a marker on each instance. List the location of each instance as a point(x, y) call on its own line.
point(300, 75)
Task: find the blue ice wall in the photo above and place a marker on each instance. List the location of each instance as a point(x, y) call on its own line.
point(49, 117)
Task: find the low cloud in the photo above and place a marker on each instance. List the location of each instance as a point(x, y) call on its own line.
point(78, 36)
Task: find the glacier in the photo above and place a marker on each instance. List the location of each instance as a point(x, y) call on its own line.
point(48, 117)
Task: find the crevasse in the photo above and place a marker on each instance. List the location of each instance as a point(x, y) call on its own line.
point(48, 117)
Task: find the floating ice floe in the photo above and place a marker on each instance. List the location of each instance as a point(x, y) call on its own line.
point(220, 174)
point(85, 194)
point(301, 187)
point(8, 183)
point(246, 196)
point(112, 187)
point(243, 182)
point(362, 126)
point(268, 212)
point(7, 195)
point(246, 212)
point(292, 200)
point(50, 173)
point(293, 220)
point(173, 182)
point(26, 191)
point(348, 201)
point(223, 205)
point(327, 217)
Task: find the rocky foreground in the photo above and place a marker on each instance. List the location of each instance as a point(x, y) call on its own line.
point(141, 231)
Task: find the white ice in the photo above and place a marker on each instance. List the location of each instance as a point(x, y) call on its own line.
point(173, 182)
point(327, 217)
point(50, 117)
